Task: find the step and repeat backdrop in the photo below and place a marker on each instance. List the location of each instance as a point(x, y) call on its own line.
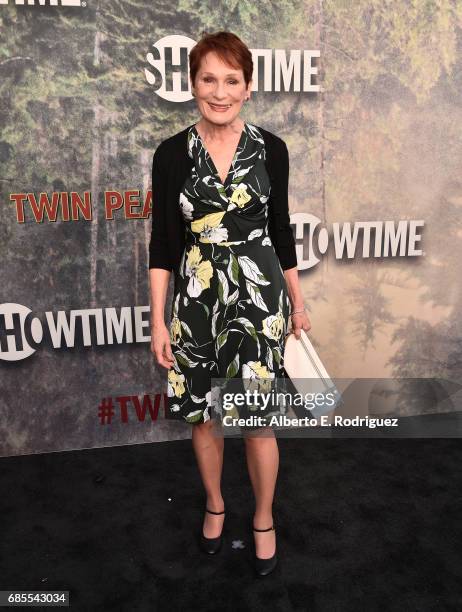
point(368, 98)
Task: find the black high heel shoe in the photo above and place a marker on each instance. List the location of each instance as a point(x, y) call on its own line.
point(264, 567)
point(211, 545)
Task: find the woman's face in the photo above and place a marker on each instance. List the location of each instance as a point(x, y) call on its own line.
point(220, 90)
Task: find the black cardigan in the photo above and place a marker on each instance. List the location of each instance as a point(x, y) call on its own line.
point(170, 168)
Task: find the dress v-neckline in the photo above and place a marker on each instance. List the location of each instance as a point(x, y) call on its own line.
point(241, 138)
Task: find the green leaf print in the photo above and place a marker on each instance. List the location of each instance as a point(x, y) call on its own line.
point(206, 308)
point(223, 287)
point(233, 269)
point(214, 324)
point(194, 417)
point(184, 359)
point(233, 367)
point(221, 190)
point(233, 298)
point(249, 327)
point(255, 295)
point(221, 339)
point(277, 354)
point(186, 328)
point(252, 271)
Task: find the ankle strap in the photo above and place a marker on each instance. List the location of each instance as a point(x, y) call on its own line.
point(213, 512)
point(269, 529)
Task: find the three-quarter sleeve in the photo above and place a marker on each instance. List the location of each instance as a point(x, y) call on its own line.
point(158, 246)
point(278, 213)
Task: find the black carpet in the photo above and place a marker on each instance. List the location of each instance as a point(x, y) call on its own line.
point(362, 524)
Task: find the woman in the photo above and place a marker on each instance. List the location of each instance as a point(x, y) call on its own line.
point(221, 223)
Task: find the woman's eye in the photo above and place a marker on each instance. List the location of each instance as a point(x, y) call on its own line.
point(208, 79)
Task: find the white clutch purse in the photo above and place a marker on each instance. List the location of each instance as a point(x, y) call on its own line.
point(307, 372)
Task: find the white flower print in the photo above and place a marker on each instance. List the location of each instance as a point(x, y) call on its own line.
point(214, 234)
point(186, 207)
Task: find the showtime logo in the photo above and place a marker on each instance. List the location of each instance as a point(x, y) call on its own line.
point(21, 331)
point(45, 2)
point(352, 240)
point(292, 70)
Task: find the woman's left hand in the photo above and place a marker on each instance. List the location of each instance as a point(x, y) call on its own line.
point(300, 321)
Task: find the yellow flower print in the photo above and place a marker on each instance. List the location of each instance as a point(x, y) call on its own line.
point(200, 272)
point(255, 371)
point(273, 326)
point(240, 195)
point(210, 228)
point(175, 383)
point(175, 330)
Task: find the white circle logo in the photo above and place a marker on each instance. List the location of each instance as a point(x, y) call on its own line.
point(175, 44)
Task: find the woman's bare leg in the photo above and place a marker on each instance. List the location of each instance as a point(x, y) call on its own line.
point(208, 447)
point(262, 454)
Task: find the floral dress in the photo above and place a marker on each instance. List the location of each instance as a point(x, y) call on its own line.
point(230, 305)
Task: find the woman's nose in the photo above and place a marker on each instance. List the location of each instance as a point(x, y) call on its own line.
point(219, 91)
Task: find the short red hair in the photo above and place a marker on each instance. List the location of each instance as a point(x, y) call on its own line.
point(229, 48)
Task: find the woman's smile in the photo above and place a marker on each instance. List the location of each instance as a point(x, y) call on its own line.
point(220, 108)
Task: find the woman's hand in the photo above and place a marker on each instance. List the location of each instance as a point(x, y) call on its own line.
point(300, 321)
point(160, 345)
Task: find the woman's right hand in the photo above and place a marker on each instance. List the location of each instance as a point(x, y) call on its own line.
point(160, 345)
